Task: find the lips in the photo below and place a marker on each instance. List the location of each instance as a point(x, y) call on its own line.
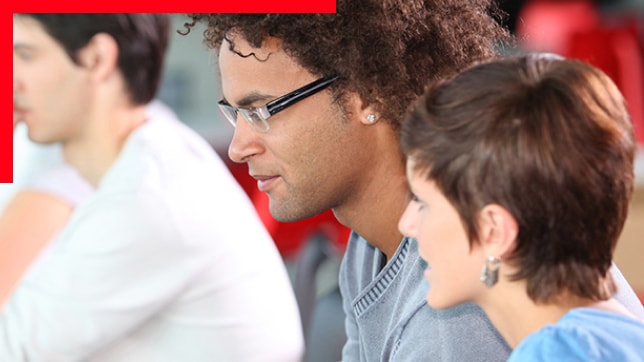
point(19, 109)
point(264, 183)
point(18, 115)
point(19, 103)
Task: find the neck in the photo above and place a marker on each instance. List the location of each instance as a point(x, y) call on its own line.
point(516, 316)
point(380, 196)
point(102, 141)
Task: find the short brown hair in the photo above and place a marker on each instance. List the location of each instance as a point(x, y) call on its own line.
point(548, 139)
point(142, 41)
point(384, 50)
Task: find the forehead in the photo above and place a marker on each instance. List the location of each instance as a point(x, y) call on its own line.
point(28, 33)
point(267, 69)
point(418, 178)
point(269, 55)
point(411, 168)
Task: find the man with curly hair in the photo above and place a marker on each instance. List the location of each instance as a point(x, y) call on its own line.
point(316, 100)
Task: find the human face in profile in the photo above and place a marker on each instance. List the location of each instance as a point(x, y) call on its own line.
point(453, 267)
point(50, 91)
point(312, 156)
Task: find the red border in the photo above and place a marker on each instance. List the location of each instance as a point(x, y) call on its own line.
point(6, 125)
point(196, 6)
point(169, 6)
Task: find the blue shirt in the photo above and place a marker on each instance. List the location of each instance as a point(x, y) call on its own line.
point(585, 334)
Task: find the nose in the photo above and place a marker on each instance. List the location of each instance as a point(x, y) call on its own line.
point(245, 143)
point(16, 90)
point(407, 224)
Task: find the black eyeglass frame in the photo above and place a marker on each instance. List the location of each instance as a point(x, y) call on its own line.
point(271, 108)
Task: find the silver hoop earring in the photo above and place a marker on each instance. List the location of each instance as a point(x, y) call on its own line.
point(490, 272)
point(371, 118)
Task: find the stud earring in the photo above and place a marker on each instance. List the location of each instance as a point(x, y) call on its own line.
point(490, 272)
point(371, 118)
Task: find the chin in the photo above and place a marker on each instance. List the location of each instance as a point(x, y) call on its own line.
point(282, 213)
point(437, 302)
point(288, 210)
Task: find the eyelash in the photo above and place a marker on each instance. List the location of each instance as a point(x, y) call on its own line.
point(415, 199)
point(24, 56)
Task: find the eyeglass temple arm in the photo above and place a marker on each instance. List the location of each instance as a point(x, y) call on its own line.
point(297, 95)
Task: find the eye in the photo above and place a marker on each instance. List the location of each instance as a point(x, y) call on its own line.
point(23, 54)
point(415, 199)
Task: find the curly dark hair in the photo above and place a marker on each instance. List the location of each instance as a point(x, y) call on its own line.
point(386, 51)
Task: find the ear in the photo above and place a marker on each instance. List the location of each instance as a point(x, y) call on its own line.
point(364, 113)
point(368, 115)
point(498, 230)
point(100, 56)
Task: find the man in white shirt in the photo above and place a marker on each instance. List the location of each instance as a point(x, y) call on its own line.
point(167, 260)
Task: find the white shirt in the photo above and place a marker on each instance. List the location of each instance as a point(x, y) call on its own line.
point(167, 261)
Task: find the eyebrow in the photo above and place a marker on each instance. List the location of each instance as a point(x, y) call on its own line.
point(19, 46)
point(248, 100)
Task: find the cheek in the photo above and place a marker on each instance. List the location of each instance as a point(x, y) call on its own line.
point(441, 239)
point(427, 234)
point(314, 148)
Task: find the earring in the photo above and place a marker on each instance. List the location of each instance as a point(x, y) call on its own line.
point(490, 272)
point(371, 118)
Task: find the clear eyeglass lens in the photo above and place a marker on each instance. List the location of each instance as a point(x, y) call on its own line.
point(251, 115)
point(230, 113)
point(255, 119)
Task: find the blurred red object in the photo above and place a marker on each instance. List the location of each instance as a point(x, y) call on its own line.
point(616, 50)
point(577, 29)
point(546, 25)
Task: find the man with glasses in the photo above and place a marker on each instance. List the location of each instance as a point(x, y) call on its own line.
point(317, 148)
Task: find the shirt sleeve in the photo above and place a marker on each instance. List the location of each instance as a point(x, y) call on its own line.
point(62, 181)
point(117, 263)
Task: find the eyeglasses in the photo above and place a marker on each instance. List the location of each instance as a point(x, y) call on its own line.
point(257, 117)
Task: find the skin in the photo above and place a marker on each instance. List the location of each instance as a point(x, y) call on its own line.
point(21, 238)
point(48, 88)
point(314, 157)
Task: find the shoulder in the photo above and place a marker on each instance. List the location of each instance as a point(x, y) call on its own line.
point(587, 334)
point(116, 214)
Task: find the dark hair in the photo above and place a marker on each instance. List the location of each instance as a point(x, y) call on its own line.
point(548, 139)
point(384, 50)
point(142, 41)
